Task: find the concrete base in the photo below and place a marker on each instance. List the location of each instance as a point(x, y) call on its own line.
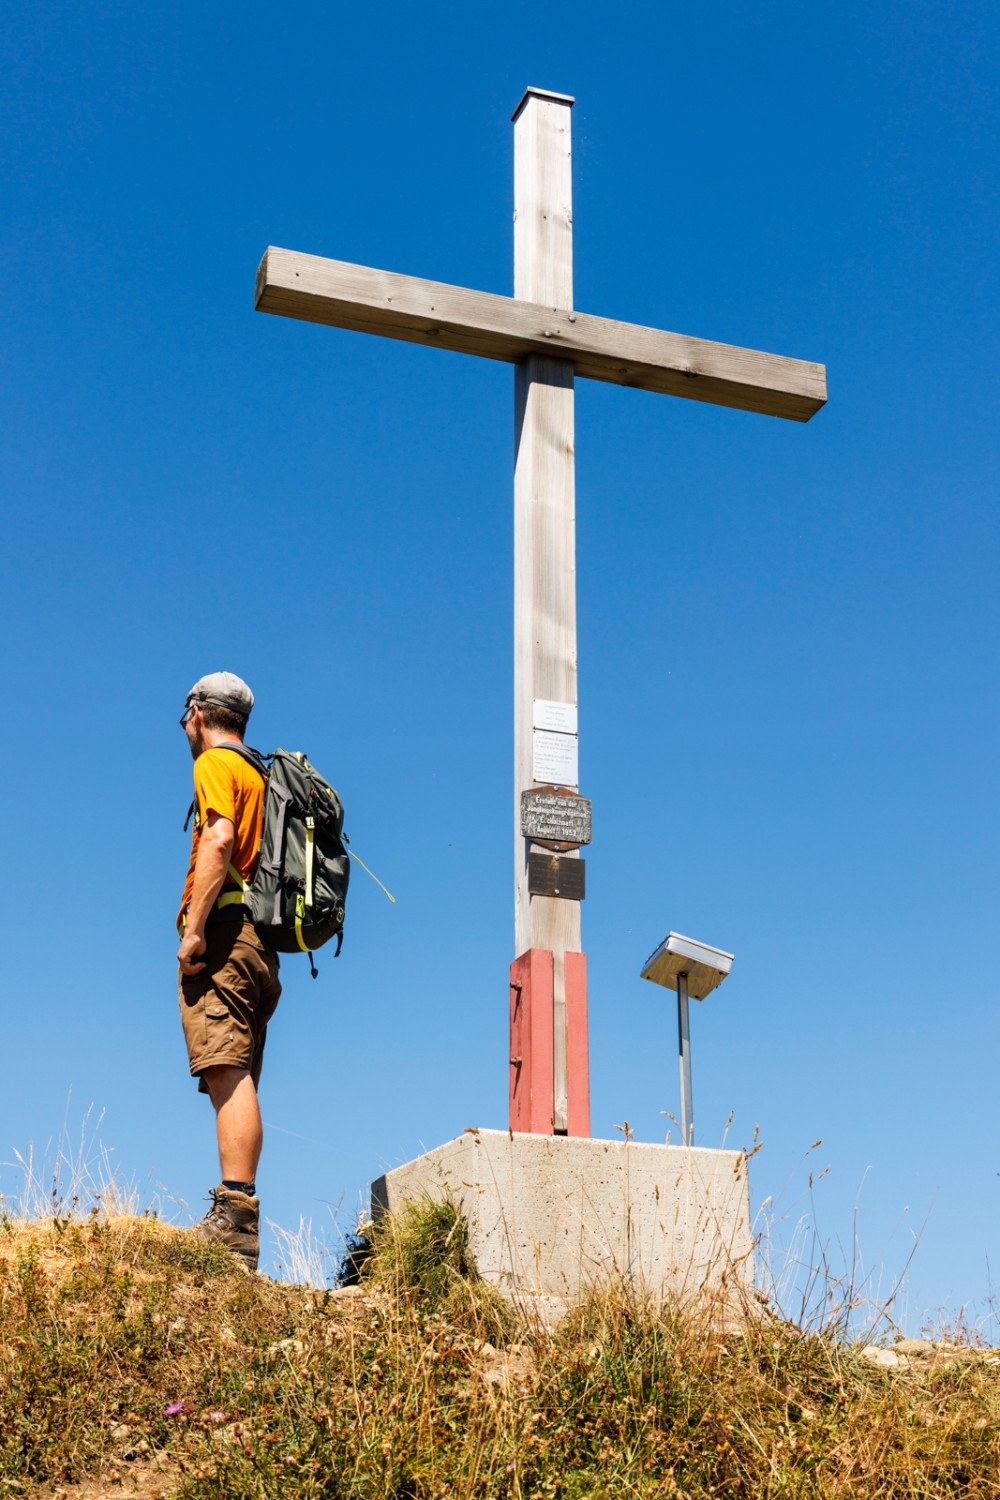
point(550, 1216)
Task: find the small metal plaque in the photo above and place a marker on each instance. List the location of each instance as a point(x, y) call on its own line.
point(558, 819)
point(549, 875)
point(560, 717)
point(555, 758)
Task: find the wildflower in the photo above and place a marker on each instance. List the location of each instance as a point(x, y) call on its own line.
point(174, 1409)
point(217, 1416)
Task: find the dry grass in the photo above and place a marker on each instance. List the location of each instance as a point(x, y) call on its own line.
point(122, 1339)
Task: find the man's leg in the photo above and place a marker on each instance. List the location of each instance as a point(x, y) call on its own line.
point(225, 1011)
point(234, 1218)
point(237, 1122)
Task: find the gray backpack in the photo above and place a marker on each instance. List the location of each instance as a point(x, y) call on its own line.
point(299, 889)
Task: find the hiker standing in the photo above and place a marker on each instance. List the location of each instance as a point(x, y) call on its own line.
point(228, 979)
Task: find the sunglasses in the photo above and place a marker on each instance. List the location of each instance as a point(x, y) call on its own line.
point(182, 721)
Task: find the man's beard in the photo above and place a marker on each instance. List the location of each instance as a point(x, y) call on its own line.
point(196, 745)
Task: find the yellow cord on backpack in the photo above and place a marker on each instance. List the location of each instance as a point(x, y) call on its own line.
point(368, 872)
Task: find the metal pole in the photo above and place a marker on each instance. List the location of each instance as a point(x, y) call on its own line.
point(684, 1039)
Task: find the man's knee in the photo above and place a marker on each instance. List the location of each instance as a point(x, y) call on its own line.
point(222, 1080)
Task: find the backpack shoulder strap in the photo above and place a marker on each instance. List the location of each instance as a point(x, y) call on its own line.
point(249, 754)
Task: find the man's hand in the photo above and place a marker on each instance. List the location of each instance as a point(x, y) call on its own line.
point(192, 944)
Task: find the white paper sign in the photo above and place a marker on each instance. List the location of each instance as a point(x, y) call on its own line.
point(549, 715)
point(555, 758)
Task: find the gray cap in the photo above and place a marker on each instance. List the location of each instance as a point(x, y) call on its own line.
point(224, 689)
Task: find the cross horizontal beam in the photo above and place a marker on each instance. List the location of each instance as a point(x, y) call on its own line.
point(317, 290)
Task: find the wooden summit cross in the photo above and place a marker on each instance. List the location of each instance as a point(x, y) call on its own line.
point(549, 342)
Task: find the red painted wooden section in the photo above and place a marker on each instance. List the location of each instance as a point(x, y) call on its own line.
point(532, 1089)
point(531, 1082)
point(577, 1051)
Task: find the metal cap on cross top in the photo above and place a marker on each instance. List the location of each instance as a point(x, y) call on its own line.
point(694, 970)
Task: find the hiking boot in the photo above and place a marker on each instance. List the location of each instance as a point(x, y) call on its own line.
point(233, 1221)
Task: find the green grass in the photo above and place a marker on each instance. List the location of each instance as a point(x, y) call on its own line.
point(122, 1339)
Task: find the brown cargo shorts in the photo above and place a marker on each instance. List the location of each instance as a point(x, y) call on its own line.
point(225, 1009)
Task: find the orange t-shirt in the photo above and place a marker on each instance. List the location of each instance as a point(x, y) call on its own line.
point(226, 783)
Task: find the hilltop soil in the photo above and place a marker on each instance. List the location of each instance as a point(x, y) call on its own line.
point(136, 1361)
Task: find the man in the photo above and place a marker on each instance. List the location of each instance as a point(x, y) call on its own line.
point(228, 979)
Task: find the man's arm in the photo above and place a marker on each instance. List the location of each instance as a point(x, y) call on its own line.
point(215, 850)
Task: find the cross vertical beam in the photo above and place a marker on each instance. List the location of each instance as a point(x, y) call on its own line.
point(545, 663)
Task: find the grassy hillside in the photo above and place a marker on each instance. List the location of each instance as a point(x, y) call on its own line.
point(131, 1354)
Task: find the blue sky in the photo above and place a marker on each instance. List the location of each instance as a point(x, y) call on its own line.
point(787, 633)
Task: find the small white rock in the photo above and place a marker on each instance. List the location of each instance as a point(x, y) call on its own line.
point(914, 1346)
point(884, 1358)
